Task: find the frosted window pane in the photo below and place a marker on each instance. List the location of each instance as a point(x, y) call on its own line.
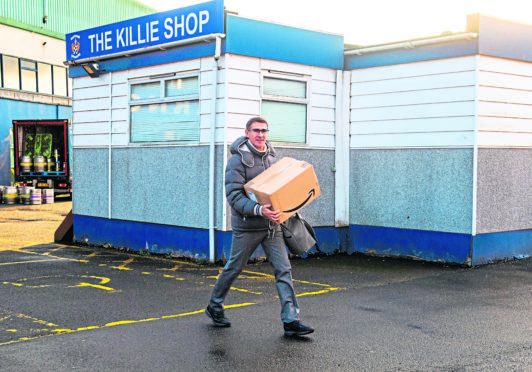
point(286, 121)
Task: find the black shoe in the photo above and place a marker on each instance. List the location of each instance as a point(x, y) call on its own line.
point(218, 318)
point(295, 328)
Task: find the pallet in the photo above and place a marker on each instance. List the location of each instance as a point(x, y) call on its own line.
point(42, 173)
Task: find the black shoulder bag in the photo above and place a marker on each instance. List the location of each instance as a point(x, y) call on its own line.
point(298, 235)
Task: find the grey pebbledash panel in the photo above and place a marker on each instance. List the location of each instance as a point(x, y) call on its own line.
point(504, 196)
point(423, 189)
point(162, 185)
point(90, 182)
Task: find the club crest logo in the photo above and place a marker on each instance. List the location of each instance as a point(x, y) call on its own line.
point(74, 46)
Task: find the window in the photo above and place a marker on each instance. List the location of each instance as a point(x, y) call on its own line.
point(44, 74)
point(11, 73)
point(60, 81)
point(24, 74)
point(28, 75)
point(165, 110)
point(284, 106)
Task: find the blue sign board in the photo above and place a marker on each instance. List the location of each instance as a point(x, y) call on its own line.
point(147, 31)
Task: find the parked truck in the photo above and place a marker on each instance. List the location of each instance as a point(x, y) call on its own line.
point(42, 151)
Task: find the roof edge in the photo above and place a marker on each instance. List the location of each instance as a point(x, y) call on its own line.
point(30, 28)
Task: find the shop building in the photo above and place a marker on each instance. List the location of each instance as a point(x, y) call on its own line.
point(420, 147)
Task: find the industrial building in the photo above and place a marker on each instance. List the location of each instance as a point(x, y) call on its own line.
point(422, 147)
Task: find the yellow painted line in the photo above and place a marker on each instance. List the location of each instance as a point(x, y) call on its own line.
point(35, 320)
point(245, 290)
point(59, 331)
point(94, 286)
point(11, 330)
point(172, 269)
point(23, 262)
point(15, 284)
point(317, 292)
point(123, 266)
point(306, 282)
point(103, 279)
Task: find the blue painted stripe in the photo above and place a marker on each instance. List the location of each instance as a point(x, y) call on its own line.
point(493, 247)
point(151, 59)
point(422, 53)
point(425, 245)
point(283, 43)
point(138, 236)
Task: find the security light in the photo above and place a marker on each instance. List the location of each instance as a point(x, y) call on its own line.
point(92, 69)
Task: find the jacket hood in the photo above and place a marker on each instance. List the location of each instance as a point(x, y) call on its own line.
point(240, 146)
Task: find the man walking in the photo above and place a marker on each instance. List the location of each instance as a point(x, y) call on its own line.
point(254, 224)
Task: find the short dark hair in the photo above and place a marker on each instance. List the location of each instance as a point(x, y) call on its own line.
point(256, 119)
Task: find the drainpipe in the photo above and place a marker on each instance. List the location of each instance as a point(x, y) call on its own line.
point(411, 44)
point(45, 11)
point(342, 146)
point(110, 136)
point(217, 53)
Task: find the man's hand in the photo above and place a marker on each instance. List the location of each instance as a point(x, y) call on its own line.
point(274, 216)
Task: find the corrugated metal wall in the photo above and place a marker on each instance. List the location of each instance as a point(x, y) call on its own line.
point(66, 16)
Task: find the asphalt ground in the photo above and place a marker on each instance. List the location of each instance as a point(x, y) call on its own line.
point(67, 307)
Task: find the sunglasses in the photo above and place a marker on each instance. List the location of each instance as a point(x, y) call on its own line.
point(257, 130)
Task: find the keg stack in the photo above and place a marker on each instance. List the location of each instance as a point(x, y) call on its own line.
point(26, 195)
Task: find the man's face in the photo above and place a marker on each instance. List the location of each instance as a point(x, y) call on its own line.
point(257, 134)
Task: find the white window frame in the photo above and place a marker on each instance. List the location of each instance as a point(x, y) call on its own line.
point(162, 99)
point(286, 99)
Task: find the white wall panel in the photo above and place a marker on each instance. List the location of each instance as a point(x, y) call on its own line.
point(184, 66)
point(243, 91)
point(421, 104)
point(243, 77)
point(408, 70)
point(417, 97)
point(505, 103)
point(92, 141)
point(321, 127)
point(98, 91)
point(411, 140)
point(243, 106)
point(321, 140)
point(322, 100)
point(121, 114)
point(432, 110)
point(447, 124)
point(88, 117)
point(322, 114)
point(415, 83)
point(504, 139)
point(513, 125)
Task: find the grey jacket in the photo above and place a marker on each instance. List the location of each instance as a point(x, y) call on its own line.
point(244, 165)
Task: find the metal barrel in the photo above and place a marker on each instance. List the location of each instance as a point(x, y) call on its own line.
point(25, 195)
point(47, 196)
point(35, 196)
point(25, 164)
point(38, 164)
point(10, 195)
point(50, 163)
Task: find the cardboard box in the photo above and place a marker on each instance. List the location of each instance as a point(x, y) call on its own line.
point(287, 185)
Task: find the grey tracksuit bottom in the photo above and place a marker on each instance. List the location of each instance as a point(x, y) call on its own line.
point(243, 246)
